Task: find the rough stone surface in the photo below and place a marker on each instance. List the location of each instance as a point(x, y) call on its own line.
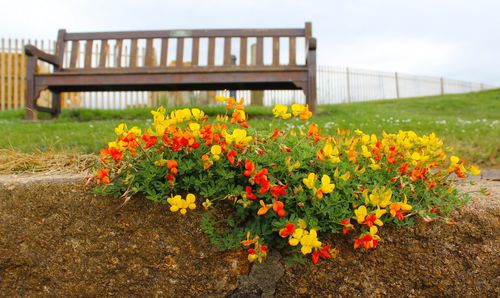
point(59, 239)
point(262, 279)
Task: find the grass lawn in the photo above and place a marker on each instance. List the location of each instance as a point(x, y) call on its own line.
point(469, 123)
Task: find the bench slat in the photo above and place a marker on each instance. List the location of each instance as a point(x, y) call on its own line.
point(133, 53)
point(259, 55)
point(59, 47)
point(227, 51)
point(276, 50)
point(148, 60)
point(195, 51)
point(180, 52)
point(292, 56)
point(118, 52)
point(75, 47)
point(211, 51)
point(164, 52)
point(103, 53)
point(186, 33)
point(243, 51)
point(186, 69)
point(88, 53)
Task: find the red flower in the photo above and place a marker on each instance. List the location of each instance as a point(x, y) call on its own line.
point(265, 185)
point(347, 226)
point(323, 253)
point(289, 229)
point(150, 140)
point(115, 154)
point(278, 190)
point(249, 168)
point(260, 176)
point(250, 195)
point(403, 169)
point(230, 156)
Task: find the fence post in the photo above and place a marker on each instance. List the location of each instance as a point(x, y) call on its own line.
point(348, 83)
point(9, 74)
point(442, 85)
point(397, 84)
point(2, 75)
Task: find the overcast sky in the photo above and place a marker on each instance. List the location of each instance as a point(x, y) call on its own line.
point(456, 39)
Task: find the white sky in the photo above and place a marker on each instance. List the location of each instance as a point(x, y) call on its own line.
point(456, 39)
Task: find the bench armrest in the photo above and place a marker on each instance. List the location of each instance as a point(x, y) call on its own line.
point(31, 50)
point(311, 44)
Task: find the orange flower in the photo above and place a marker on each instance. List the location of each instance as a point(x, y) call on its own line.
point(102, 176)
point(264, 208)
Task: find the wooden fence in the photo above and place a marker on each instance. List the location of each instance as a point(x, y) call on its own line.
point(335, 85)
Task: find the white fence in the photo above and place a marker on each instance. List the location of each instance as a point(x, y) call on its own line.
point(335, 85)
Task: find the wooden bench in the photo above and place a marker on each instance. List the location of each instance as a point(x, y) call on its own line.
point(80, 72)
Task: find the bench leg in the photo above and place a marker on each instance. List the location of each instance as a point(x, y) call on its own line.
point(311, 95)
point(56, 104)
point(30, 89)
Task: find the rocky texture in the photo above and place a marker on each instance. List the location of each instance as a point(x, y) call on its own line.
point(59, 239)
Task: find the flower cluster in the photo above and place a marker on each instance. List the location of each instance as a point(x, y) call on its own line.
point(285, 186)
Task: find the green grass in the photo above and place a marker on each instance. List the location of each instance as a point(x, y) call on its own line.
point(470, 123)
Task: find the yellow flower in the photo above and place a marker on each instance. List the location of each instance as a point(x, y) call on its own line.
point(474, 170)
point(121, 129)
point(221, 118)
point(361, 213)
point(239, 136)
point(161, 162)
point(373, 232)
point(374, 165)
point(380, 198)
point(326, 186)
point(415, 156)
point(194, 127)
point(332, 153)
point(365, 152)
point(177, 203)
point(297, 236)
point(216, 150)
point(454, 160)
point(207, 204)
point(252, 257)
point(297, 109)
point(221, 98)
point(197, 114)
point(281, 111)
point(310, 181)
point(309, 241)
point(135, 130)
point(346, 176)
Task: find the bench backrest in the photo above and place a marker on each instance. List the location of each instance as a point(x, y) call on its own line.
point(113, 50)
